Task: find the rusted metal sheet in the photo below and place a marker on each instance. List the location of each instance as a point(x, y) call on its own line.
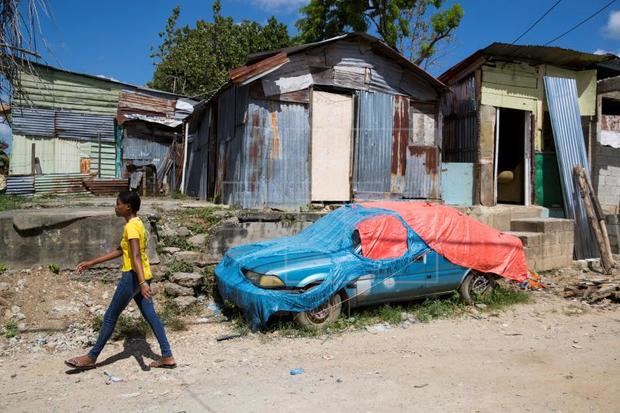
point(242, 74)
point(271, 166)
point(400, 139)
point(373, 145)
point(422, 172)
point(105, 186)
point(59, 183)
point(460, 141)
point(198, 158)
point(134, 103)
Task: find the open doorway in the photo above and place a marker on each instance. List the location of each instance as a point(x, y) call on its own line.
point(511, 156)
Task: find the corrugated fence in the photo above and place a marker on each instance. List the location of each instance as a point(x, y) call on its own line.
point(570, 147)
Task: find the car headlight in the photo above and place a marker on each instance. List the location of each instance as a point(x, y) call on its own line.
point(264, 280)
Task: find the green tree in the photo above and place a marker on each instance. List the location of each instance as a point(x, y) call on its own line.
point(195, 61)
point(414, 27)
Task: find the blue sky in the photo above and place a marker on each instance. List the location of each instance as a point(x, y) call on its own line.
point(114, 38)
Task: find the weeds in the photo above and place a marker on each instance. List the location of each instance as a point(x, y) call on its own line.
point(178, 266)
point(200, 220)
point(170, 315)
point(178, 195)
point(3, 268)
point(126, 327)
point(178, 242)
point(10, 329)
point(424, 311)
point(54, 268)
point(8, 202)
point(208, 283)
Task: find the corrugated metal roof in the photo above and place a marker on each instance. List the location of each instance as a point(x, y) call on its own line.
point(377, 45)
point(556, 56)
point(563, 106)
point(69, 125)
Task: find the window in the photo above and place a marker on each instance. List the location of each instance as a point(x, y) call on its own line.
point(382, 237)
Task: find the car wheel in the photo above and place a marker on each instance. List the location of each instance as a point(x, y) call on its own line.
point(476, 285)
point(321, 316)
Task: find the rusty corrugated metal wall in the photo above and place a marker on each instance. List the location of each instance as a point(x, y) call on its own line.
point(262, 151)
point(373, 143)
point(198, 157)
point(395, 151)
point(460, 129)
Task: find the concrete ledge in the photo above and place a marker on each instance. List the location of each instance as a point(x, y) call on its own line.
point(542, 225)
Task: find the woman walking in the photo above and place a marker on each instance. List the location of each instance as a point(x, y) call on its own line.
point(134, 284)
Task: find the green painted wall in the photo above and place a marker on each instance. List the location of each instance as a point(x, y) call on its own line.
point(60, 90)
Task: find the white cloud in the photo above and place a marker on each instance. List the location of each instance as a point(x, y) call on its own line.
point(603, 51)
point(285, 6)
point(613, 25)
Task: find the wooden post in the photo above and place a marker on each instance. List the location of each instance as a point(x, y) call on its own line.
point(601, 219)
point(584, 189)
point(32, 159)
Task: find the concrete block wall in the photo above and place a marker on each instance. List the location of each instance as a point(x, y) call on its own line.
point(606, 178)
point(548, 242)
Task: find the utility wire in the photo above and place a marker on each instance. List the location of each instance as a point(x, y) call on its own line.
point(536, 22)
point(580, 23)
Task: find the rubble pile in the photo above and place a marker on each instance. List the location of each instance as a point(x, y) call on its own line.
point(594, 290)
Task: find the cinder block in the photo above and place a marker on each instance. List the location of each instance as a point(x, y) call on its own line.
point(541, 225)
point(529, 239)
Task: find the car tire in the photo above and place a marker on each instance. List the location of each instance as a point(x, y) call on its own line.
point(322, 316)
point(476, 285)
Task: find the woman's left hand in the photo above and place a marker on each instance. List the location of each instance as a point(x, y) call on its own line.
point(146, 291)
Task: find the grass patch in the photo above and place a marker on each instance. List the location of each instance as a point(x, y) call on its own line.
point(178, 242)
point(10, 329)
point(8, 202)
point(178, 266)
point(54, 268)
point(126, 327)
point(391, 314)
point(208, 284)
point(201, 220)
point(170, 315)
point(504, 297)
point(3, 268)
point(178, 195)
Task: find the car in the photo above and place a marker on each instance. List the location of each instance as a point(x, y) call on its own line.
point(366, 254)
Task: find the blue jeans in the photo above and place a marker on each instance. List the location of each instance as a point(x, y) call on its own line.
point(127, 289)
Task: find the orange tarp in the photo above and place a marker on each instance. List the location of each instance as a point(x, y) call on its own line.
point(461, 239)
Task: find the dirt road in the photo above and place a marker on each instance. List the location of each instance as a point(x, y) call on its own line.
point(547, 356)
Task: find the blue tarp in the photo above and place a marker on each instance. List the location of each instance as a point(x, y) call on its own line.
point(331, 235)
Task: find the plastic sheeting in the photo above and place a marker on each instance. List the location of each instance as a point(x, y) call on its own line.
point(461, 239)
point(382, 237)
point(330, 235)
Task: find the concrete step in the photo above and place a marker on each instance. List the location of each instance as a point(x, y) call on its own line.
point(529, 239)
point(543, 225)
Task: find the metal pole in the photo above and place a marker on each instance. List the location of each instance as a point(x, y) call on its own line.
point(184, 158)
point(99, 166)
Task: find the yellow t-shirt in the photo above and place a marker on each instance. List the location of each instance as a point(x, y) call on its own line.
point(134, 229)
